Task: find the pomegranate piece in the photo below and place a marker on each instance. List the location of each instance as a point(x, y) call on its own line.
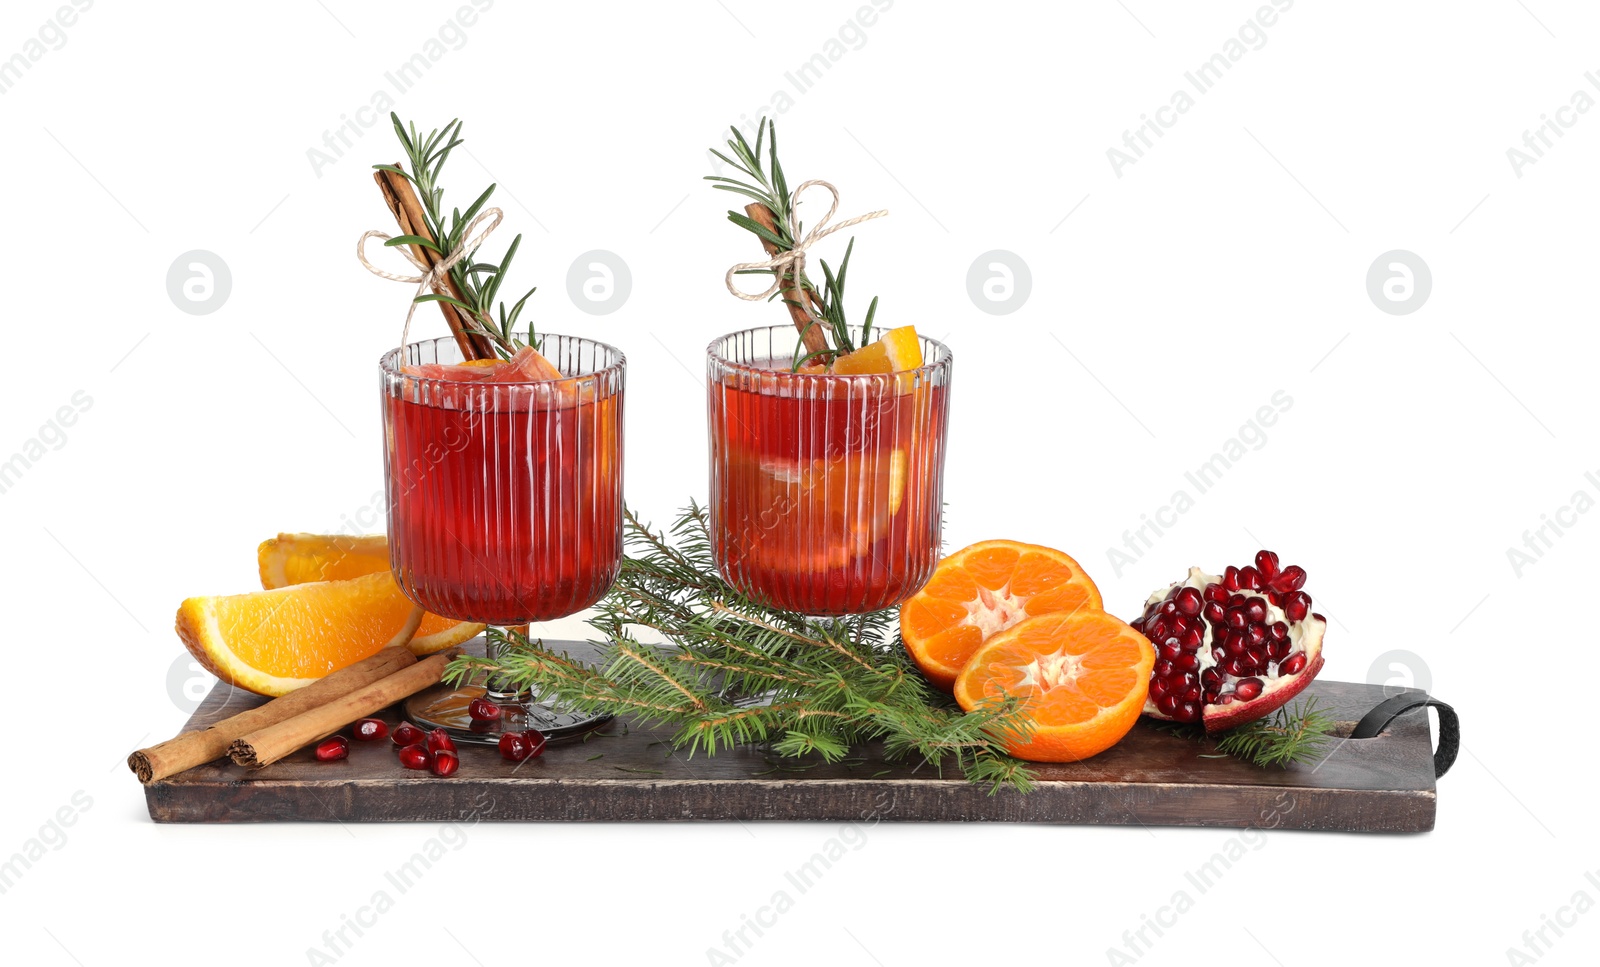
point(1250, 646)
point(513, 746)
point(416, 757)
point(333, 748)
point(445, 763)
point(439, 741)
point(371, 730)
point(483, 710)
point(407, 734)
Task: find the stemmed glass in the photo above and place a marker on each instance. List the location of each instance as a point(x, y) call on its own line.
point(505, 505)
point(826, 490)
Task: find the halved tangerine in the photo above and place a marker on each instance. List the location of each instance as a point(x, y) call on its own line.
point(1082, 677)
point(980, 591)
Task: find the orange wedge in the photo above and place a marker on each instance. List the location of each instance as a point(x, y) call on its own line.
point(273, 642)
point(1082, 678)
point(299, 558)
point(982, 590)
point(895, 351)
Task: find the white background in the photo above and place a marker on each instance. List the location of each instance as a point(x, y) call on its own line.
point(1228, 263)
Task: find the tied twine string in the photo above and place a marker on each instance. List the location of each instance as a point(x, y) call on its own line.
point(794, 260)
point(435, 276)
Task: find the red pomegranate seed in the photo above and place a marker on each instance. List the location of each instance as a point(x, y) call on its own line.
point(1278, 650)
point(1295, 665)
point(370, 730)
point(1296, 606)
point(1187, 712)
point(1236, 619)
point(1188, 601)
point(445, 763)
point(406, 734)
point(1291, 578)
point(1163, 668)
point(1230, 578)
point(1191, 638)
point(1267, 564)
point(439, 741)
point(1248, 688)
point(416, 757)
point(1170, 651)
point(483, 710)
point(1278, 631)
point(1215, 592)
point(1236, 600)
point(1256, 610)
point(1188, 662)
point(513, 746)
point(536, 742)
point(336, 747)
point(1158, 688)
point(1249, 578)
point(1214, 611)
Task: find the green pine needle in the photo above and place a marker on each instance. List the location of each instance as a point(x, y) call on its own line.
point(735, 671)
point(1288, 736)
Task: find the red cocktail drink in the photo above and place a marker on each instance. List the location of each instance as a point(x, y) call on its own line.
point(826, 490)
point(505, 494)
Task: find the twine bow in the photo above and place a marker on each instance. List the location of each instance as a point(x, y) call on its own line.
point(440, 271)
point(794, 260)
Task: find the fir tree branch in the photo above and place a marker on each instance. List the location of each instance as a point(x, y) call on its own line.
point(734, 670)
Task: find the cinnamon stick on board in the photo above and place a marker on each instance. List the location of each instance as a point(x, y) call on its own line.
point(407, 211)
point(789, 284)
point(268, 745)
point(201, 746)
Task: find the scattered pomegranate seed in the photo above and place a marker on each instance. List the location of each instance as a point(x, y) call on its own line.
point(513, 746)
point(370, 730)
point(445, 763)
point(536, 742)
point(407, 734)
point(439, 741)
point(483, 710)
point(335, 747)
point(416, 757)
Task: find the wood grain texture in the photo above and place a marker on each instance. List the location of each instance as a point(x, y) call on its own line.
point(626, 773)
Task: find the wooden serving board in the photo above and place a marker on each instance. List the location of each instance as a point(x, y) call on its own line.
point(624, 772)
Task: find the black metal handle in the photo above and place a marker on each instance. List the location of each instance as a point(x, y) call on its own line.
point(1410, 700)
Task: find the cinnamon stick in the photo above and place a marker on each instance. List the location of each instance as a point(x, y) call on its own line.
point(407, 210)
point(268, 745)
point(195, 748)
point(789, 284)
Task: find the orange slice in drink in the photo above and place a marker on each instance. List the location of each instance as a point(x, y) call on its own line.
point(272, 642)
point(300, 558)
point(895, 351)
point(1082, 677)
point(982, 590)
point(851, 502)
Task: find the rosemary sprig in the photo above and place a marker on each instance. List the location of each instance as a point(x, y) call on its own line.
point(736, 671)
point(478, 282)
point(768, 186)
point(1290, 735)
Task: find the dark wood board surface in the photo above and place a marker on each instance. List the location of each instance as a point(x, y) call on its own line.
point(628, 773)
